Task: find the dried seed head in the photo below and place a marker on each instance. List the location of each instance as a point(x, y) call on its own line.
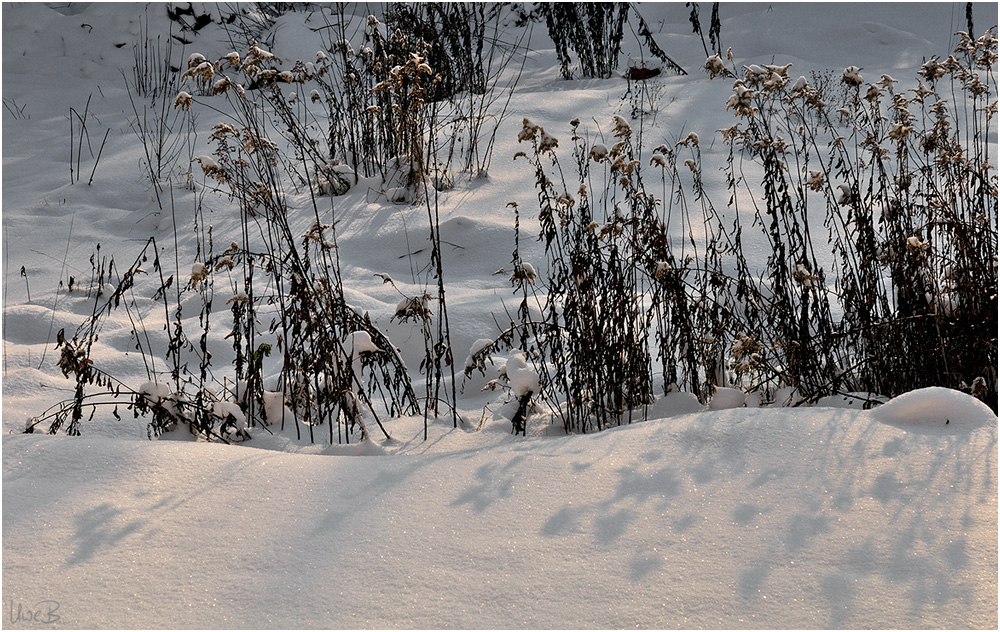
point(815, 181)
point(203, 71)
point(528, 131)
point(194, 60)
point(523, 271)
point(199, 273)
point(932, 70)
point(221, 86)
point(598, 152)
point(622, 128)
point(714, 66)
point(183, 101)
point(690, 139)
point(548, 143)
point(852, 76)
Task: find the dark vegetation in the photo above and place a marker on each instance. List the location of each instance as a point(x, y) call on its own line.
point(879, 208)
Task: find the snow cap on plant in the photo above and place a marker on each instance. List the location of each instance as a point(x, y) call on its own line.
point(690, 139)
point(599, 152)
point(207, 163)
point(183, 101)
point(523, 271)
point(815, 180)
point(260, 54)
point(415, 308)
point(932, 69)
point(899, 131)
point(741, 100)
point(661, 270)
point(844, 194)
point(548, 142)
point(221, 86)
point(714, 66)
point(622, 128)
point(852, 76)
point(528, 130)
point(523, 379)
point(359, 342)
point(914, 244)
point(803, 275)
point(199, 272)
point(203, 71)
point(781, 71)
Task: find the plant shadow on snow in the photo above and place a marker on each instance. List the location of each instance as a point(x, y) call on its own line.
point(844, 470)
point(98, 528)
point(103, 527)
point(493, 485)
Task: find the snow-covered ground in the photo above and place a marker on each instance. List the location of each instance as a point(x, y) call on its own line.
point(821, 517)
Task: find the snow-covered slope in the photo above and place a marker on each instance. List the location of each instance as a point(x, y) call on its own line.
point(823, 518)
point(748, 518)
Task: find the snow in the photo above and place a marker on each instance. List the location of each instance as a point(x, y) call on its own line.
point(226, 409)
point(207, 163)
point(741, 513)
point(851, 400)
point(727, 398)
point(523, 379)
point(360, 342)
point(476, 347)
point(935, 408)
point(852, 76)
point(731, 519)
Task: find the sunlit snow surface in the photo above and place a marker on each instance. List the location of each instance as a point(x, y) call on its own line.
point(823, 517)
point(742, 518)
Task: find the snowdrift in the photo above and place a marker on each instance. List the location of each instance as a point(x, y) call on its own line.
point(744, 518)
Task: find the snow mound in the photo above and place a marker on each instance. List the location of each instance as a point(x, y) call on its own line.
point(674, 404)
point(360, 342)
point(935, 407)
point(727, 398)
point(523, 378)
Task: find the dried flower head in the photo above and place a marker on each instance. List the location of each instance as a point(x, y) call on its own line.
point(203, 71)
point(932, 70)
point(183, 101)
point(714, 66)
point(199, 273)
point(622, 128)
point(815, 181)
point(523, 271)
point(852, 76)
